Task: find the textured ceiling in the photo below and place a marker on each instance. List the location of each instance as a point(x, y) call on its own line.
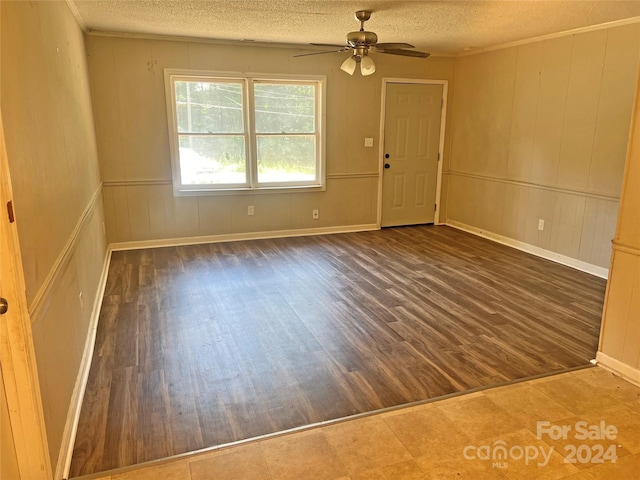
point(445, 27)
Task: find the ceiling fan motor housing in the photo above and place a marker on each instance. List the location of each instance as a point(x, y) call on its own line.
point(361, 38)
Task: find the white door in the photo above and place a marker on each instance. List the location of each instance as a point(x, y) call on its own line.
point(21, 393)
point(413, 113)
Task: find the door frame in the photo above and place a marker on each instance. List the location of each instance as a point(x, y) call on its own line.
point(443, 115)
point(17, 355)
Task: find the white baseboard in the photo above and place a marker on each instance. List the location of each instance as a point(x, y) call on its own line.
point(73, 415)
point(533, 250)
point(235, 237)
point(619, 368)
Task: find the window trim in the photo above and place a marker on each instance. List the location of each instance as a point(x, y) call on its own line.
point(247, 80)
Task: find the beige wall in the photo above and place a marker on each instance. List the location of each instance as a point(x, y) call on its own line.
point(51, 148)
point(539, 131)
point(619, 346)
point(129, 103)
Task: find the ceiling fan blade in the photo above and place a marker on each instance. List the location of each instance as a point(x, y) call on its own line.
point(392, 46)
point(406, 53)
point(327, 45)
point(321, 53)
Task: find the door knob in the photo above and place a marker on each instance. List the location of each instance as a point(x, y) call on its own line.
point(386, 155)
point(4, 306)
point(386, 165)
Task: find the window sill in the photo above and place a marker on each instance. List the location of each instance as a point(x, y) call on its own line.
point(185, 192)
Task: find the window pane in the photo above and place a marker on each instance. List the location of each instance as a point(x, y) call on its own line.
point(284, 108)
point(208, 107)
point(212, 160)
point(284, 158)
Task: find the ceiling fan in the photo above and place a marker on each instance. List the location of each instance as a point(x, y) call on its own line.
point(360, 43)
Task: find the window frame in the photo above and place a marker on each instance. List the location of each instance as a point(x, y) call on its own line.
point(248, 81)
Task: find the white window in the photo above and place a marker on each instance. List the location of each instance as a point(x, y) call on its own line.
point(230, 133)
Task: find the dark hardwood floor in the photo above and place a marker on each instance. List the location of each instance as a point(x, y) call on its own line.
point(208, 344)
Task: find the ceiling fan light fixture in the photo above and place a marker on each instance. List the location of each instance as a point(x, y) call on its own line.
point(367, 66)
point(349, 65)
point(361, 43)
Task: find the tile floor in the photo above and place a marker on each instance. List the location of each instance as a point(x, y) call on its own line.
point(450, 439)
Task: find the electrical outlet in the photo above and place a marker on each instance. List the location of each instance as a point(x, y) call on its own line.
point(541, 224)
point(315, 214)
point(250, 210)
point(368, 142)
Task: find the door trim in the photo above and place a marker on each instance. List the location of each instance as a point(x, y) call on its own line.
point(17, 355)
point(443, 115)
